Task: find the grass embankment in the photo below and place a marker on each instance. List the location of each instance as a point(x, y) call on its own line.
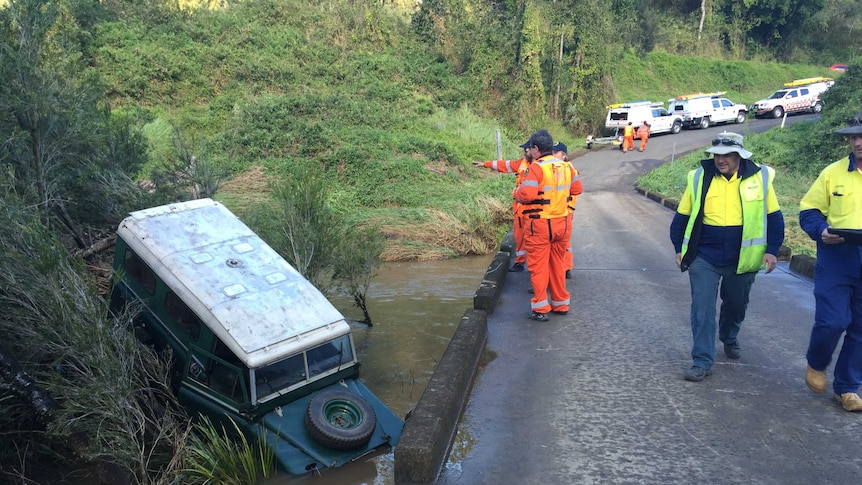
point(660, 76)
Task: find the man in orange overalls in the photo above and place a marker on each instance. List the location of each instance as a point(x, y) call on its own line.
point(628, 137)
point(519, 167)
point(561, 152)
point(545, 191)
point(643, 134)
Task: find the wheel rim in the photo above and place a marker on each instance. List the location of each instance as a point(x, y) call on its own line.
point(342, 413)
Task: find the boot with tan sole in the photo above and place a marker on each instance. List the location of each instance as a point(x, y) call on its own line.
point(850, 401)
point(815, 379)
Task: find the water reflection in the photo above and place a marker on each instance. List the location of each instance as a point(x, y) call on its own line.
point(416, 307)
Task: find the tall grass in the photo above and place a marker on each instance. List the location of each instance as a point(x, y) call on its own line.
point(217, 456)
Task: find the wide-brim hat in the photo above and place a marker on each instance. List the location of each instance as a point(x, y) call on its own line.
point(854, 126)
point(727, 142)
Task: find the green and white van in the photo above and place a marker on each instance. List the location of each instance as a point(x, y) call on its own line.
point(252, 339)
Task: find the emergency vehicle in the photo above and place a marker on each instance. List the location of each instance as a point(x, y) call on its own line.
point(801, 95)
point(705, 109)
point(636, 112)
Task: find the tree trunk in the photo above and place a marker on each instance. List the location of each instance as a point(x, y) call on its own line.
point(702, 17)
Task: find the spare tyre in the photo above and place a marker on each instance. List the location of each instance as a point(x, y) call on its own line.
point(340, 419)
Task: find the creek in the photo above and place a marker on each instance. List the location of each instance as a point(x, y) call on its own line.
point(415, 308)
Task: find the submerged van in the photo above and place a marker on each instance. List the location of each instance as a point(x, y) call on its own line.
point(252, 340)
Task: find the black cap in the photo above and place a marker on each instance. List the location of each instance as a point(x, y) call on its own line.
point(542, 140)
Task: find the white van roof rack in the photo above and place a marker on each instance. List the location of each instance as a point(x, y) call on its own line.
point(806, 81)
point(700, 95)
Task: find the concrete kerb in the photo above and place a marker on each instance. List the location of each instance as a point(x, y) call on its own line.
point(428, 432)
point(800, 264)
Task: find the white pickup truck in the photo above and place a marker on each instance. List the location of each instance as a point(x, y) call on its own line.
point(700, 110)
point(801, 95)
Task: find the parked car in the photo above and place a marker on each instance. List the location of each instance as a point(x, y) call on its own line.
point(251, 340)
point(636, 112)
point(704, 109)
point(838, 67)
point(801, 95)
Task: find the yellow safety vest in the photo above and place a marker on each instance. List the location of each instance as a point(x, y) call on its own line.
point(752, 193)
point(554, 194)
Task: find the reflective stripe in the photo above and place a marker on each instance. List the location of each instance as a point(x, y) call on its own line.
point(555, 303)
point(540, 304)
point(530, 183)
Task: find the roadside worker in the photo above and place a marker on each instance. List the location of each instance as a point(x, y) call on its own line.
point(561, 152)
point(727, 227)
point(643, 134)
point(545, 191)
point(833, 202)
point(519, 167)
point(628, 137)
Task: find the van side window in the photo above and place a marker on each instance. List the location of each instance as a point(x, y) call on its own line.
point(224, 377)
point(716, 103)
point(804, 91)
point(726, 103)
point(137, 269)
point(182, 315)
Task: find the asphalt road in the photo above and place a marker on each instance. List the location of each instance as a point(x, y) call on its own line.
point(598, 396)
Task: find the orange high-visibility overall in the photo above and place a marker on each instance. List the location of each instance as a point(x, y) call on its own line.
point(628, 138)
point(519, 167)
point(546, 191)
point(571, 206)
point(643, 134)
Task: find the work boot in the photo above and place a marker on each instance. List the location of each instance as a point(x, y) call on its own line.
point(815, 380)
point(732, 351)
point(697, 373)
point(539, 317)
point(850, 401)
point(517, 267)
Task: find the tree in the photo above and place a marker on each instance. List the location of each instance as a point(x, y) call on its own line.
point(59, 134)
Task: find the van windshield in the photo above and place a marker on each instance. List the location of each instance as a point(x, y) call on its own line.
point(295, 371)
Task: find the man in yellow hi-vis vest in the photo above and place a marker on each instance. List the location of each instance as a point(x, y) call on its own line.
point(728, 226)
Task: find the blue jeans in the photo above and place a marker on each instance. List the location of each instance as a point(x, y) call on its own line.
point(705, 279)
point(838, 311)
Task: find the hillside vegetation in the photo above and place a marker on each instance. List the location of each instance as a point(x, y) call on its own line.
point(350, 123)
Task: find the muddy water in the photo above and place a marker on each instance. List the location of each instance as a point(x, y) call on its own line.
point(415, 308)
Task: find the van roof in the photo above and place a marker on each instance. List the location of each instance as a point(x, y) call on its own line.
point(247, 294)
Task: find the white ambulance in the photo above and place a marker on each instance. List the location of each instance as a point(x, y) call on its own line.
point(801, 95)
point(636, 112)
point(700, 110)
